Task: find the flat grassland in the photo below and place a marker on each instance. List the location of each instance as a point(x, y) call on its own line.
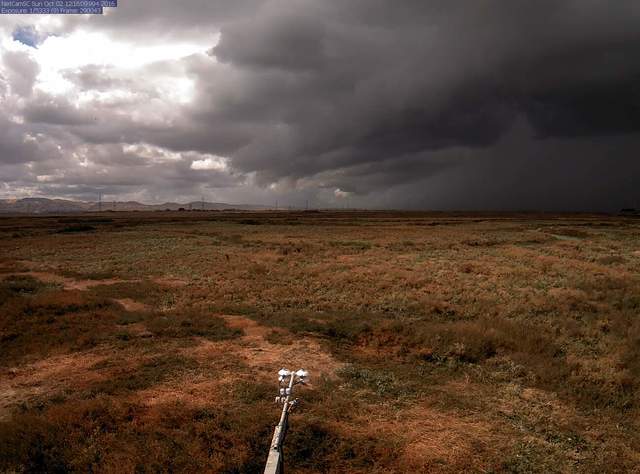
point(149, 342)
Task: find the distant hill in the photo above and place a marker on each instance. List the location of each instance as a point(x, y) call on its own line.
point(630, 212)
point(48, 206)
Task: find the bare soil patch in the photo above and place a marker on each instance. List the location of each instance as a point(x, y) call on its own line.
point(260, 354)
point(132, 305)
point(45, 378)
point(171, 282)
point(195, 392)
point(434, 438)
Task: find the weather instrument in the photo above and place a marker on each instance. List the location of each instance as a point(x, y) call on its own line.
point(287, 380)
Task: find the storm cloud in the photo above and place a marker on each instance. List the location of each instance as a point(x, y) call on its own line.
point(412, 104)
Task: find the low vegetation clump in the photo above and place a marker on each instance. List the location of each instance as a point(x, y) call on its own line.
point(77, 228)
point(108, 434)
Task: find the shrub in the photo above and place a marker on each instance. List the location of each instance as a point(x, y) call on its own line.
point(147, 374)
point(72, 229)
point(189, 323)
point(20, 284)
point(380, 382)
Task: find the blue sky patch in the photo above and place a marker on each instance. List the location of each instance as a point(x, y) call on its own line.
point(28, 35)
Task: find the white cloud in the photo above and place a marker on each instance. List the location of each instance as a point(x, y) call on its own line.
point(152, 153)
point(339, 193)
point(217, 163)
point(81, 48)
point(49, 178)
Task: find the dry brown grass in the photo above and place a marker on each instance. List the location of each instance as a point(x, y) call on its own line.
point(437, 343)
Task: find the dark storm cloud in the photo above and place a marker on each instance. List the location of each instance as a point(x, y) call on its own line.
point(379, 96)
point(520, 172)
point(14, 149)
point(292, 41)
point(349, 83)
point(56, 111)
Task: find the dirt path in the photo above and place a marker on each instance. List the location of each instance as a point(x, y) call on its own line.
point(71, 283)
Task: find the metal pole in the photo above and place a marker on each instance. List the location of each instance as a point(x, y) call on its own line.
point(275, 461)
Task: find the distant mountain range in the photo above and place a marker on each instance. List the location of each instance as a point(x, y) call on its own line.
point(48, 206)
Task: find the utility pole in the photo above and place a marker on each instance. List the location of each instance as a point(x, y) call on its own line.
point(99, 202)
point(287, 380)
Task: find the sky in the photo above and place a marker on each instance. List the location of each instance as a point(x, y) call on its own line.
point(409, 104)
